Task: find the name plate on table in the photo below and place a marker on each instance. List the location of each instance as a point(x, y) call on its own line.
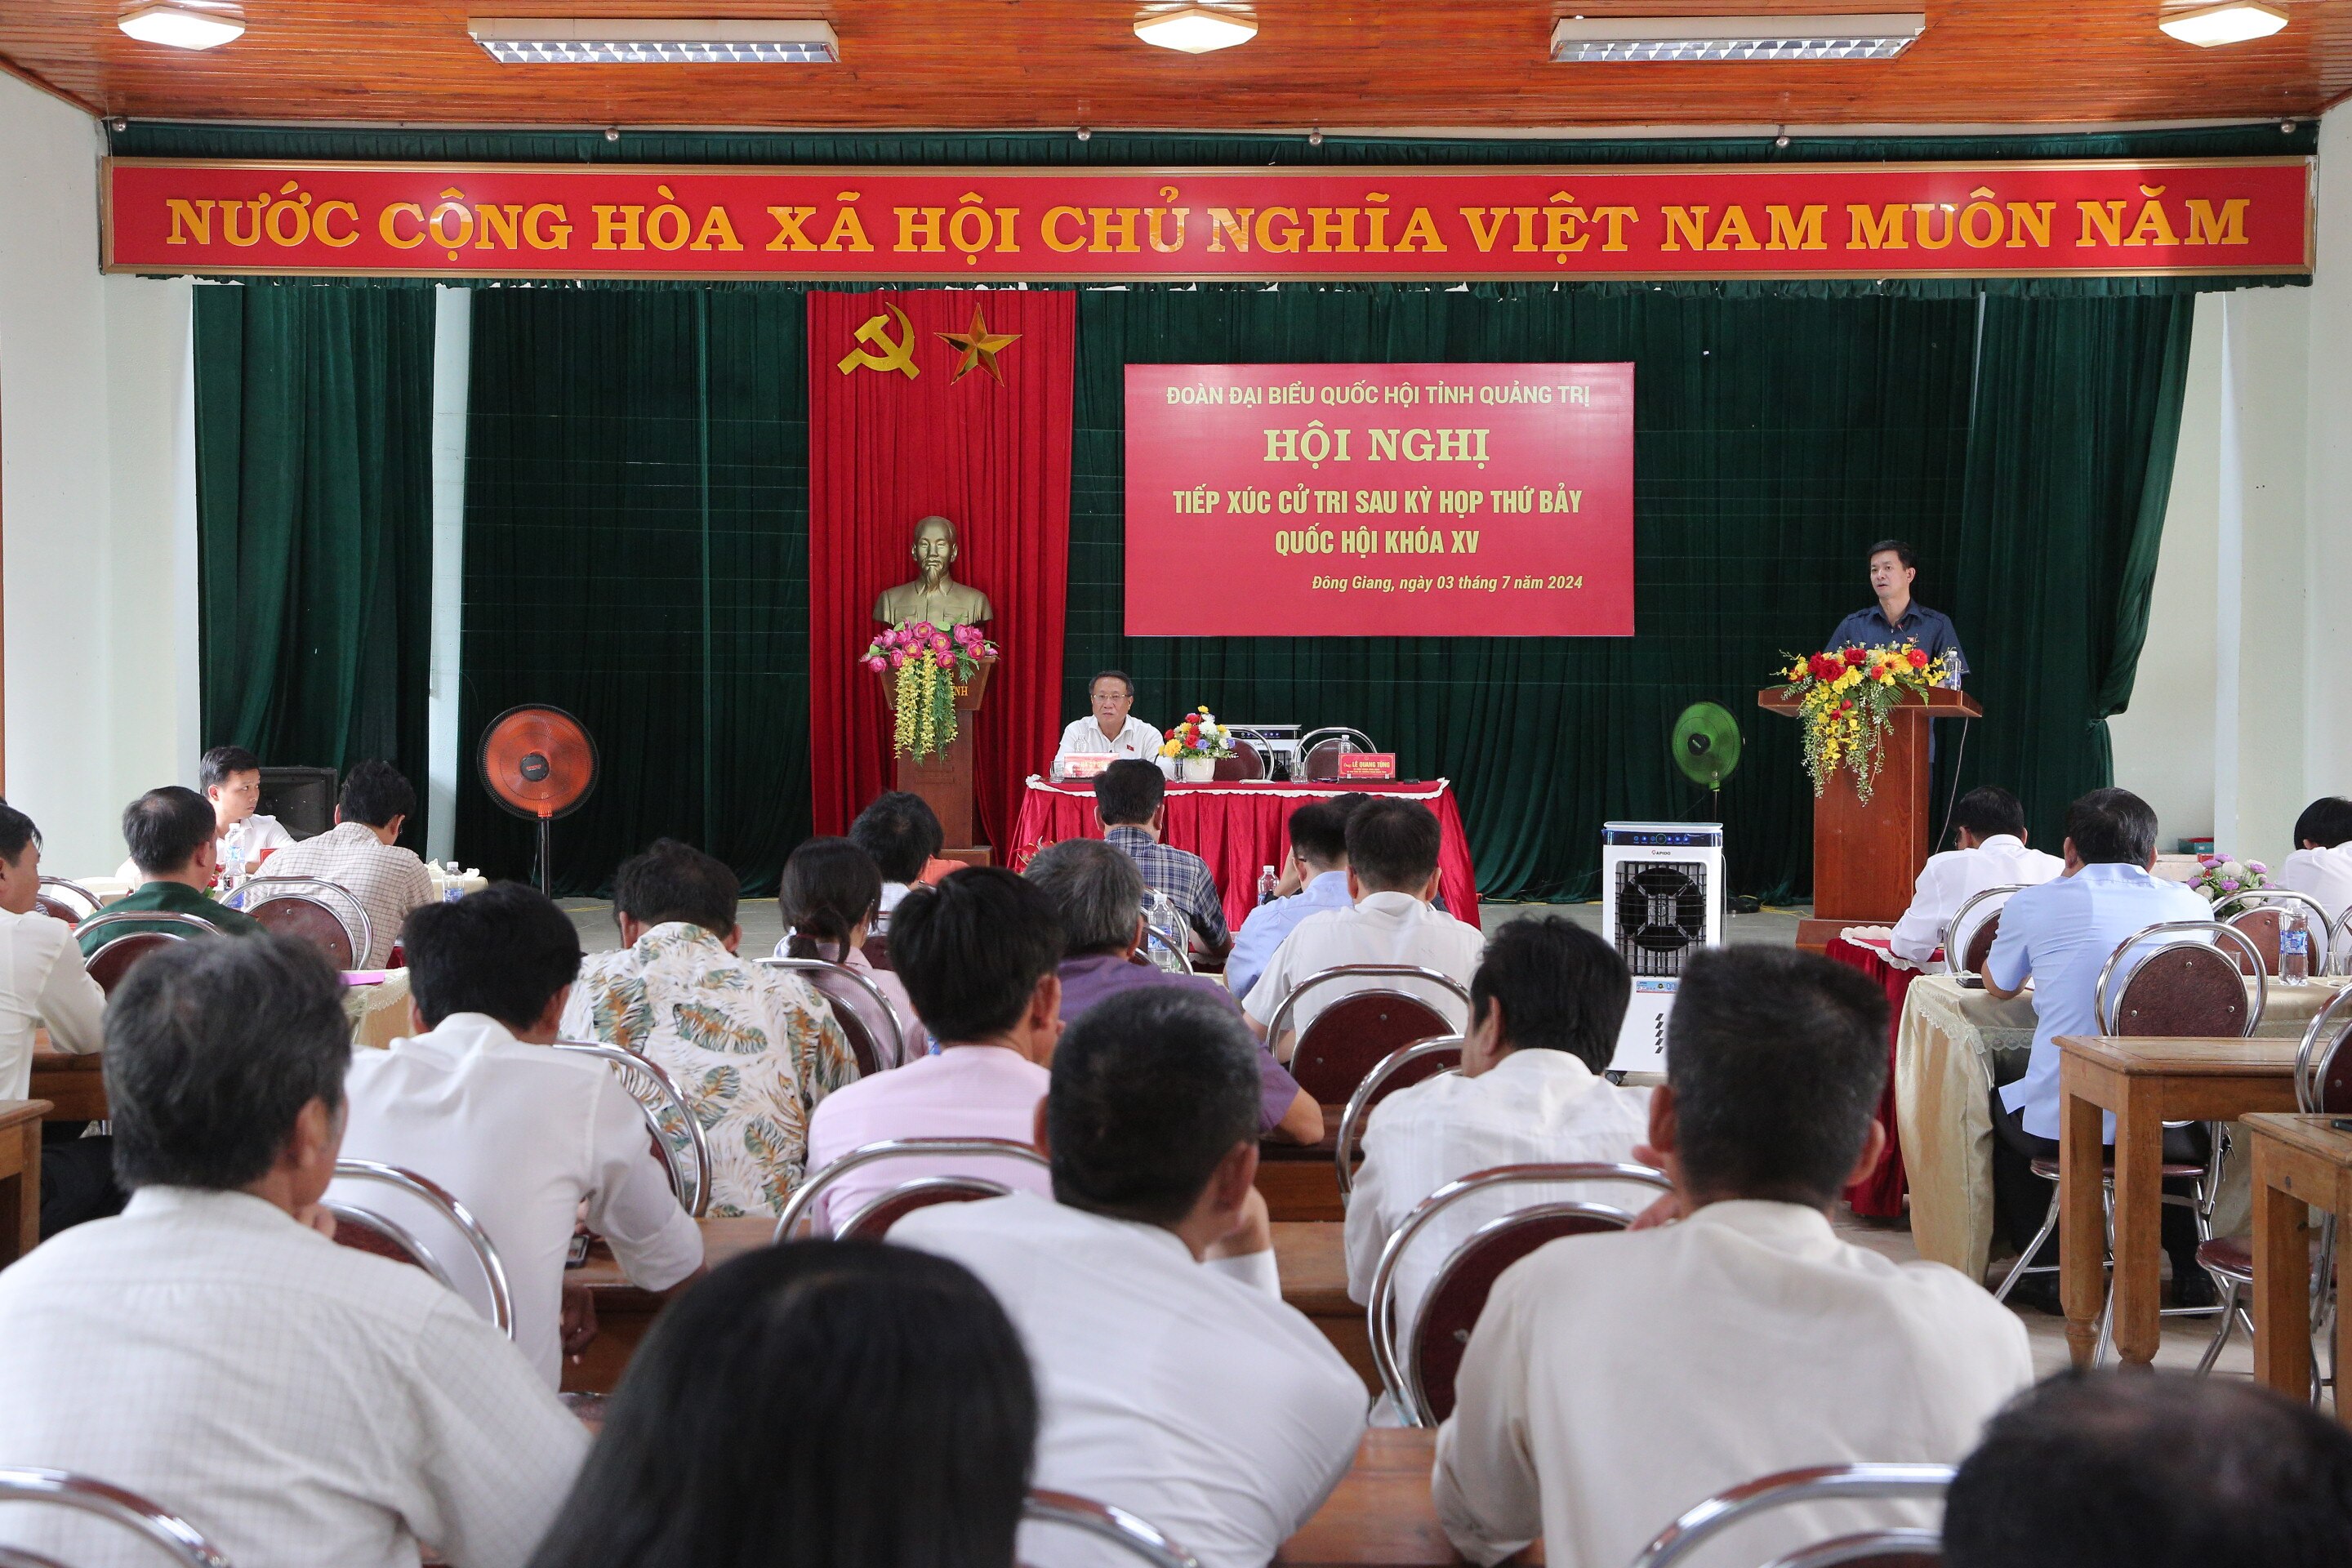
point(1084, 767)
point(1367, 764)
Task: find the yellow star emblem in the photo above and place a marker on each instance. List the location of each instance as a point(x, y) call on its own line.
point(978, 347)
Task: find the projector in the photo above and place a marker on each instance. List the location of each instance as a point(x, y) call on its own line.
point(1661, 891)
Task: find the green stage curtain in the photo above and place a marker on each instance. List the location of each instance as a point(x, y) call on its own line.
point(637, 534)
point(314, 507)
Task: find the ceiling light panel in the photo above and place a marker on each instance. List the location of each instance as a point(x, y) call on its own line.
point(645, 41)
point(1197, 29)
point(1876, 35)
point(181, 27)
point(2208, 26)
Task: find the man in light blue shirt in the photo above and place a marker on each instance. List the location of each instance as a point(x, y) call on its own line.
point(2060, 935)
point(1319, 852)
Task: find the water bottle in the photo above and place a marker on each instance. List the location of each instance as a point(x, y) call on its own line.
point(232, 870)
point(1266, 883)
point(2295, 948)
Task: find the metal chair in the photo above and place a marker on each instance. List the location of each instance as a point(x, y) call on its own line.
point(1104, 1522)
point(1421, 1387)
point(319, 912)
point(1166, 933)
point(50, 903)
point(2259, 913)
point(1818, 1483)
point(1246, 766)
point(864, 1015)
point(873, 1222)
point(1348, 1037)
point(367, 1230)
point(1319, 750)
point(168, 1532)
point(115, 956)
point(656, 1097)
point(2339, 943)
point(1398, 1070)
point(866, 1154)
point(1966, 946)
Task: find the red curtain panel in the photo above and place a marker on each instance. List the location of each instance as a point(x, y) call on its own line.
point(896, 435)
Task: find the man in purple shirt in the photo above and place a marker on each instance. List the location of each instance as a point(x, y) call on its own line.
point(1099, 893)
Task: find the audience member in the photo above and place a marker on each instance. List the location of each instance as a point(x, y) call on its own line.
point(2060, 936)
point(1130, 802)
point(2121, 1470)
point(521, 1135)
point(1989, 825)
point(171, 835)
point(814, 1406)
point(1545, 1009)
point(1175, 1382)
point(297, 1402)
point(1615, 1380)
point(360, 855)
point(43, 983)
point(1318, 861)
point(231, 778)
point(2321, 864)
point(1099, 894)
point(903, 835)
point(831, 897)
point(1392, 876)
point(978, 955)
point(752, 1049)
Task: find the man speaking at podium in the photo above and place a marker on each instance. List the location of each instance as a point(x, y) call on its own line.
point(1897, 618)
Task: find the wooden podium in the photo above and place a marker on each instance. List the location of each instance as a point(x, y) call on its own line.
point(945, 782)
point(1866, 858)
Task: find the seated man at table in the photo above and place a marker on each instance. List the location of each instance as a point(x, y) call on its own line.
point(361, 855)
point(2117, 1469)
point(1392, 874)
point(170, 832)
point(1131, 802)
point(298, 1403)
point(2060, 936)
point(1545, 1007)
point(1614, 1380)
point(1111, 730)
point(2321, 862)
point(1173, 1380)
point(1319, 860)
point(1099, 896)
point(43, 982)
point(520, 1134)
point(978, 953)
point(1989, 825)
point(752, 1050)
point(904, 836)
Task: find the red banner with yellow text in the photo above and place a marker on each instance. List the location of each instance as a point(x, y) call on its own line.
point(2239, 217)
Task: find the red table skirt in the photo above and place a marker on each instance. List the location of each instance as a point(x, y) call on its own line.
point(1238, 828)
point(1880, 1195)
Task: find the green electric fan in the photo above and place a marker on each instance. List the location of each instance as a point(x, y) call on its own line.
point(1707, 744)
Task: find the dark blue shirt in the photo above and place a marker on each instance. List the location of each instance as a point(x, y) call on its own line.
point(1928, 630)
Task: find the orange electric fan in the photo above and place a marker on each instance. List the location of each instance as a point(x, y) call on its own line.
point(538, 763)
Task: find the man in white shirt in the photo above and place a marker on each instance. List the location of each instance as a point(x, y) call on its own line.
point(1615, 1380)
point(1545, 1007)
point(361, 855)
point(2321, 862)
point(230, 777)
point(1173, 1380)
point(297, 1402)
point(1393, 877)
point(520, 1134)
point(1317, 868)
point(1111, 730)
point(1990, 823)
point(42, 982)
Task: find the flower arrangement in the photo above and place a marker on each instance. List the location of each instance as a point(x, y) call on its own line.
point(1198, 735)
point(2218, 877)
point(1846, 696)
point(929, 663)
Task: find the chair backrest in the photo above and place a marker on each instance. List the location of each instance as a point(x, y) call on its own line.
point(2181, 987)
point(878, 949)
point(1104, 1522)
point(56, 909)
point(2259, 913)
point(70, 894)
point(1421, 1059)
point(864, 1015)
point(1246, 766)
point(805, 1199)
point(678, 1133)
point(1348, 1037)
point(873, 1222)
point(1417, 1381)
point(1819, 1483)
point(172, 1535)
point(2323, 1069)
point(300, 916)
point(304, 901)
point(1319, 750)
point(371, 1229)
point(1967, 937)
point(115, 956)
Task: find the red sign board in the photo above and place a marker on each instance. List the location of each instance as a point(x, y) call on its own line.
point(1785, 220)
point(1379, 500)
point(1367, 764)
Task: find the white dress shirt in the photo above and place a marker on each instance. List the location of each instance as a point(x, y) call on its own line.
point(299, 1402)
point(1615, 1380)
point(1165, 1387)
point(964, 1091)
point(42, 981)
point(520, 1134)
point(1533, 1106)
point(1951, 879)
point(387, 881)
point(1083, 738)
point(1381, 928)
point(252, 835)
point(2325, 874)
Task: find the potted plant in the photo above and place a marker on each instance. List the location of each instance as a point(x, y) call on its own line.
point(1196, 744)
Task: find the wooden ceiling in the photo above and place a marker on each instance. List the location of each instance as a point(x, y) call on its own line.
point(1467, 64)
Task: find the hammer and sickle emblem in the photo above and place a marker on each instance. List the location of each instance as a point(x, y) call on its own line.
point(884, 351)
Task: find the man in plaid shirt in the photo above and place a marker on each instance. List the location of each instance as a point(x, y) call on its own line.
point(1127, 800)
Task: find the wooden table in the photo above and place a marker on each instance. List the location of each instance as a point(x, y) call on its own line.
point(2300, 1163)
point(1381, 1515)
point(20, 1177)
point(1301, 1181)
point(75, 1086)
point(2146, 1082)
